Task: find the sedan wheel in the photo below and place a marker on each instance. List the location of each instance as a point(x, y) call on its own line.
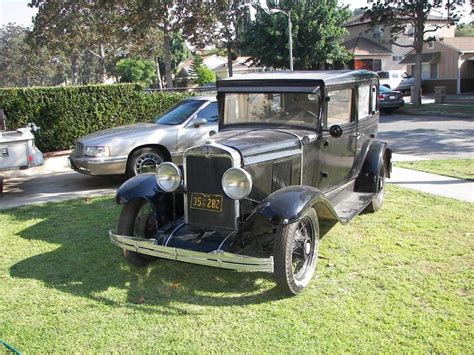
point(144, 160)
point(295, 253)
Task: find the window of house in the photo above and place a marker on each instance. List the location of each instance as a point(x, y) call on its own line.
point(430, 44)
point(339, 107)
point(377, 65)
point(397, 58)
point(363, 101)
point(434, 71)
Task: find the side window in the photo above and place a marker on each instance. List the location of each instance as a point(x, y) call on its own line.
point(210, 112)
point(363, 101)
point(339, 107)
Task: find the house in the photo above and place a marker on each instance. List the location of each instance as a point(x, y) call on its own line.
point(372, 48)
point(242, 65)
point(448, 62)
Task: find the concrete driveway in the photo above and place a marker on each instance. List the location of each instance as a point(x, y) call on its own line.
point(430, 137)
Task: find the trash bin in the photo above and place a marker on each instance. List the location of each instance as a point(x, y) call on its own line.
point(440, 94)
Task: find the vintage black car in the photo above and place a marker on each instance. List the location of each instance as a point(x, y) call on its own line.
point(293, 149)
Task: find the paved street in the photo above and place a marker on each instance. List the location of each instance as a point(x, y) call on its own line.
point(429, 137)
point(410, 137)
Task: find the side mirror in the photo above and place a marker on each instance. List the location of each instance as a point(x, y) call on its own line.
point(335, 131)
point(198, 122)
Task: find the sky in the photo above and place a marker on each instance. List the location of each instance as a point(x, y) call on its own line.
point(18, 11)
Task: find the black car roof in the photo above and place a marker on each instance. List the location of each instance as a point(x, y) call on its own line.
point(306, 81)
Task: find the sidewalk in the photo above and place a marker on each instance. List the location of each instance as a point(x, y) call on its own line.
point(434, 184)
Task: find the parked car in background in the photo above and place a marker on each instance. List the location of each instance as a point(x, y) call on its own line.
point(390, 100)
point(397, 80)
point(293, 149)
point(140, 148)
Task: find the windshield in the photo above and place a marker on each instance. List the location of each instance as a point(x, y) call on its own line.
point(179, 113)
point(278, 108)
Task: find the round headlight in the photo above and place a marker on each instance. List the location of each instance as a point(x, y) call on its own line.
point(168, 176)
point(237, 183)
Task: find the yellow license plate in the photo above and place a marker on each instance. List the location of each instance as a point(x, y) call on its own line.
point(206, 202)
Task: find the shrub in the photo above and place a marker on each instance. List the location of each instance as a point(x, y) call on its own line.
point(66, 113)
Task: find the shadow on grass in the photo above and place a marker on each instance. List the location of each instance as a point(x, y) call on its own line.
point(86, 264)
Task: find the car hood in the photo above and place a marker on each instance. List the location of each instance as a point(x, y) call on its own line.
point(132, 130)
point(258, 144)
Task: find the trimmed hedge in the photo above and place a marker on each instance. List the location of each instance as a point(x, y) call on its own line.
point(67, 113)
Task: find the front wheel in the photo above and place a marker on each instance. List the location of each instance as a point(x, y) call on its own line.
point(137, 219)
point(295, 253)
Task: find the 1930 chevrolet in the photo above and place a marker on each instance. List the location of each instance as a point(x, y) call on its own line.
point(293, 148)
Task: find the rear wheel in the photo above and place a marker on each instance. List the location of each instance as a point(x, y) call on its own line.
point(144, 160)
point(295, 253)
point(137, 219)
point(377, 200)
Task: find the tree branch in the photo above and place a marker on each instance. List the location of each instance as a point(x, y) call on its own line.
point(94, 53)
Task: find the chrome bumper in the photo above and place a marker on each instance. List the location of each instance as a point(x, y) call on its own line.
point(98, 166)
point(216, 258)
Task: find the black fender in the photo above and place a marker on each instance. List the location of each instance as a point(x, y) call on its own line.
point(144, 186)
point(378, 153)
point(289, 204)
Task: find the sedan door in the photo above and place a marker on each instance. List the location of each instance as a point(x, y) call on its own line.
point(338, 152)
point(195, 130)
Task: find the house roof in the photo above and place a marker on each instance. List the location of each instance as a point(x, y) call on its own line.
point(360, 19)
point(461, 44)
point(363, 46)
point(425, 58)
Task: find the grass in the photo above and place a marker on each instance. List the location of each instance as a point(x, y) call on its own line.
point(400, 280)
point(440, 109)
point(458, 168)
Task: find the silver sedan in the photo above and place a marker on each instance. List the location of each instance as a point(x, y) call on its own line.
point(139, 148)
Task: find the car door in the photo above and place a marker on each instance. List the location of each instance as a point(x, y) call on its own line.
point(338, 153)
point(367, 119)
point(192, 134)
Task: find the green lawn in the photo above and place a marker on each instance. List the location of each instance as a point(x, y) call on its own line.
point(400, 280)
point(443, 109)
point(458, 168)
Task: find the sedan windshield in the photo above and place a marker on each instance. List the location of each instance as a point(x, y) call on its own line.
point(299, 109)
point(179, 113)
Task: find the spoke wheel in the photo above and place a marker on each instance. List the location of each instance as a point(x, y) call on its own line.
point(377, 200)
point(144, 160)
point(137, 219)
point(295, 253)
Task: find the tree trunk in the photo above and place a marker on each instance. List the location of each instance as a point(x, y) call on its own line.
point(418, 45)
point(158, 74)
point(167, 49)
point(229, 60)
point(102, 69)
point(74, 68)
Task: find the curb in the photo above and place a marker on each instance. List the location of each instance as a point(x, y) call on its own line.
point(434, 113)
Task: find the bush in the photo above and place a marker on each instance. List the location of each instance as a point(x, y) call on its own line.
point(205, 76)
point(66, 113)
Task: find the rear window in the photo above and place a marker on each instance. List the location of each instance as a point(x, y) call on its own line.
point(384, 89)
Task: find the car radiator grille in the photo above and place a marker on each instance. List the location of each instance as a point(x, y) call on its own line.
point(204, 175)
point(79, 150)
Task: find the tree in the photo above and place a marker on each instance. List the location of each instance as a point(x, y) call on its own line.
point(196, 65)
point(220, 23)
point(20, 63)
point(397, 15)
point(465, 31)
point(136, 70)
point(317, 34)
point(205, 76)
point(76, 26)
point(167, 16)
